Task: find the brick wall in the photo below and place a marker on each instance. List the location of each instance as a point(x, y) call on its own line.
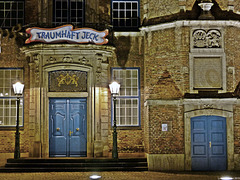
point(236, 118)
point(166, 64)
point(11, 57)
point(130, 54)
point(31, 11)
point(171, 141)
point(162, 7)
point(146, 129)
point(232, 51)
point(166, 78)
point(129, 141)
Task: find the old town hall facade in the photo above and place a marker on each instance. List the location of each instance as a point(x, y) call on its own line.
point(177, 62)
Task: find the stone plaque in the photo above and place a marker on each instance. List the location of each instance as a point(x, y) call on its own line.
point(67, 81)
point(207, 72)
point(203, 38)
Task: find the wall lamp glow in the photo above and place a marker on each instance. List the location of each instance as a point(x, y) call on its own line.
point(226, 178)
point(95, 177)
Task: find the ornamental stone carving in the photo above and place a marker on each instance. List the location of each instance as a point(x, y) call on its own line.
point(36, 59)
point(67, 58)
point(98, 78)
point(67, 81)
point(207, 38)
point(208, 106)
point(83, 60)
point(99, 62)
point(51, 60)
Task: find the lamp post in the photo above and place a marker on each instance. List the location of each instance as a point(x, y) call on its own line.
point(18, 91)
point(114, 88)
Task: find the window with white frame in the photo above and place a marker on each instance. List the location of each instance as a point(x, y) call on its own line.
point(128, 100)
point(125, 14)
point(68, 11)
point(11, 13)
point(8, 104)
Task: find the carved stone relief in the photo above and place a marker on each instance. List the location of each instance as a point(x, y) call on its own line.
point(207, 38)
point(67, 81)
point(208, 106)
point(36, 59)
point(84, 60)
point(51, 60)
point(99, 58)
point(67, 58)
point(98, 77)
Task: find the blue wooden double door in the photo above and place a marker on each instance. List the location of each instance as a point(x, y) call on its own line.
point(208, 143)
point(67, 127)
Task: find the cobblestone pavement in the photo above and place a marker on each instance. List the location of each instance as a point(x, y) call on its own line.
point(120, 175)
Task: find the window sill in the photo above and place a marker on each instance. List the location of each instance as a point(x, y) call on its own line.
point(126, 29)
point(128, 128)
point(6, 128)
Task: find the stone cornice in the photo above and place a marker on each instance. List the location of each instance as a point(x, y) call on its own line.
point(192, 101)
point(66, 47)
point(189, 23)
point(131, 34)
point(152, 102)
point(212, 100)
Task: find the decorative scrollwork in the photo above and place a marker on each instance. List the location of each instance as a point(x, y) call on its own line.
point(207, 39)
point(67, 79)
point(208, 106)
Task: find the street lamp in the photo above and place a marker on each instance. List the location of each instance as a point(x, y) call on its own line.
point(18, 91)
point(114, 88)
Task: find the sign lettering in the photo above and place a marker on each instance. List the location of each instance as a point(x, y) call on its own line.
point(66, 33)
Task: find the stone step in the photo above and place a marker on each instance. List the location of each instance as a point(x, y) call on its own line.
point(117, 164)
point(73, 160)
point(70, 169)
point(74, 164)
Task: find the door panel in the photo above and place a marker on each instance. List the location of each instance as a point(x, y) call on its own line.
point(57, 128)
point(78, 126)
point(208, 136)
point(217, 154)
point(67, 127)
point(199, 143)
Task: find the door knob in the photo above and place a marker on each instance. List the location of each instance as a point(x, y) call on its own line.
point(77, 129)
point(70, 132)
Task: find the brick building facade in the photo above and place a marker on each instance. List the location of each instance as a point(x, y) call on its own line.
point(177, 64)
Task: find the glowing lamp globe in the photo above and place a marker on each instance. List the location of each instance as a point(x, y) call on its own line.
point(18, 88)
point(114, 87)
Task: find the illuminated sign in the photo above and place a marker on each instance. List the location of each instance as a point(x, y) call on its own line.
point(68, 34)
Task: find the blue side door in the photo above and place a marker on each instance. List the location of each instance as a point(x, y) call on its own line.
point(208, 143)
point(67, 127)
